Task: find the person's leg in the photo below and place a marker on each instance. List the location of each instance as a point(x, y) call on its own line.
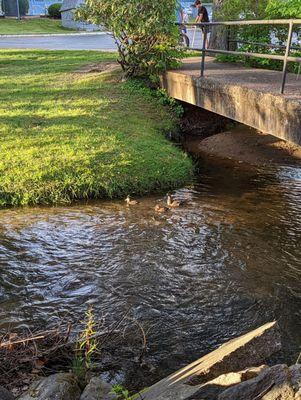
point(207, 37)
point(204, 30)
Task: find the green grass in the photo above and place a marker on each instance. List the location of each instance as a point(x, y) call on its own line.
point(9, 26)
point(67, 135)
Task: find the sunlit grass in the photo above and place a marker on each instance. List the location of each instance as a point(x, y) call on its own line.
point(10, 26)
point(66, 135)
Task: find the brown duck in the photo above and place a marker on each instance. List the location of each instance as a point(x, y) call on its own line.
point(174, 203)
point(130, 202)
point(161, 209)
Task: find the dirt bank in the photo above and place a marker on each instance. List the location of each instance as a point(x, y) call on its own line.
point(246, 145)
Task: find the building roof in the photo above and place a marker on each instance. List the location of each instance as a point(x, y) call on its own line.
point(71, 4)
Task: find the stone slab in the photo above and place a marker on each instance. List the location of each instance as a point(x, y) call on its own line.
point(249, 350)
point(246, 95)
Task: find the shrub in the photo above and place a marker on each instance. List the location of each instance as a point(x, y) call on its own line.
point(54, 11)
point(144, 31)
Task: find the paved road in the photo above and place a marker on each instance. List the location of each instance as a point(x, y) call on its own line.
point(62, 42)
point(69, 42)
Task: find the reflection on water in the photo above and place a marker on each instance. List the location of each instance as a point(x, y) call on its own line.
point(197, 276)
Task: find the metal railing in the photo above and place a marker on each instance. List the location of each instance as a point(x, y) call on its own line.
point(286, 58)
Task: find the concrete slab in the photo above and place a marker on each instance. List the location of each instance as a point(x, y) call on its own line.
point(263, 80)
point(247, 95)
point(248, 350)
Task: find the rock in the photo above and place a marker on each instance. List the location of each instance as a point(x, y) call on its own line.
point(234, 378)
point(5, 394)
point(238, 354)
point(97, 390)
point(210, 390)
point(248, 350)
point(61, 386)
point(295, 372)
point(272, 384)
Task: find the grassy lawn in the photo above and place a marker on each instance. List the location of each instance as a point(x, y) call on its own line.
point(10, 26)
point(66, 135)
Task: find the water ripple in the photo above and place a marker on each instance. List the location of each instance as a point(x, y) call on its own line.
point(197, 276)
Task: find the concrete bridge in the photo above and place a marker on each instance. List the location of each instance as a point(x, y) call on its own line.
point(247, 95)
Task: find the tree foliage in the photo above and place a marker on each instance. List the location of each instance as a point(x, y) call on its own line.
point(260, 9)
point(10, 7)
point(24, 6)
point(284, 9)
point(250, 37)
point(242, 9)
point(144, 31)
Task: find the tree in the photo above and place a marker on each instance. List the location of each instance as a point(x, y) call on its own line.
point(218, 38)
point(252, 38)
point(226, 10)
point(10, 7)
point(284, 9)
point(24, 6)
point(144, 31)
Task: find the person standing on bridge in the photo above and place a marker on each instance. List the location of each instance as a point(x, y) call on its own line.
point(181, 18)
point(179, 12)
point(202, 16)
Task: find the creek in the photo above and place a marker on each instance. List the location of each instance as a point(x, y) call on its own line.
point(227, 262)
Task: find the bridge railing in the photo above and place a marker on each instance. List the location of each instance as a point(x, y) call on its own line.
point(286, 58)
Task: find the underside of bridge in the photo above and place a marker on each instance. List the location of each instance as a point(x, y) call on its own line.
point(247, 95)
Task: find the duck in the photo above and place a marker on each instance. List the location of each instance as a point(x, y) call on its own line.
point(161, 209)
point(174, 203)
point(130, 202)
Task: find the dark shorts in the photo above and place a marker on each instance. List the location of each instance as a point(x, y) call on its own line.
point(183, 29)
point(205, 29)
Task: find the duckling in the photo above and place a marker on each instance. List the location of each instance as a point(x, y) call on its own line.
point(130, 202)
point(161, 209)
point(174, 203)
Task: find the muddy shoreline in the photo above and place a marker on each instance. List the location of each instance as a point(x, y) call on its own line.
point(208, 135)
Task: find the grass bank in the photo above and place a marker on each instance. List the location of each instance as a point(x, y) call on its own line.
point(68, 135)
point(9, 26)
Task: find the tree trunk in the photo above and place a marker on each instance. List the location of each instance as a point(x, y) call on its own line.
point(219, 34)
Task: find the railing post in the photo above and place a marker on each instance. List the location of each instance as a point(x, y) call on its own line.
point(228, 37)
point(204, 50)
point(287, 53)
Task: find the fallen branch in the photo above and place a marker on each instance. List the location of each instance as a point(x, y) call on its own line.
point(22, 341)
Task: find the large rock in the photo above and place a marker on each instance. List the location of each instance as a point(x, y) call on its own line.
point(61, 386)
point(97, 390)
point(272, 384)
point(251, 349)
point(295, 372)
point(5, 394)
point(212, 389)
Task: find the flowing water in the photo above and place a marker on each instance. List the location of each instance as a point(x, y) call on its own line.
point(227, 262)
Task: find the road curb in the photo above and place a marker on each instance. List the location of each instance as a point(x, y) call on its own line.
point(55, 34)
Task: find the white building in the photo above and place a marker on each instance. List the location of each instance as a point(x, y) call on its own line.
point(40, 7)
point(67, 12)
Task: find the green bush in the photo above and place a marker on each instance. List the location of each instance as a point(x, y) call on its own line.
point(54, 11)
point(144, 31)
